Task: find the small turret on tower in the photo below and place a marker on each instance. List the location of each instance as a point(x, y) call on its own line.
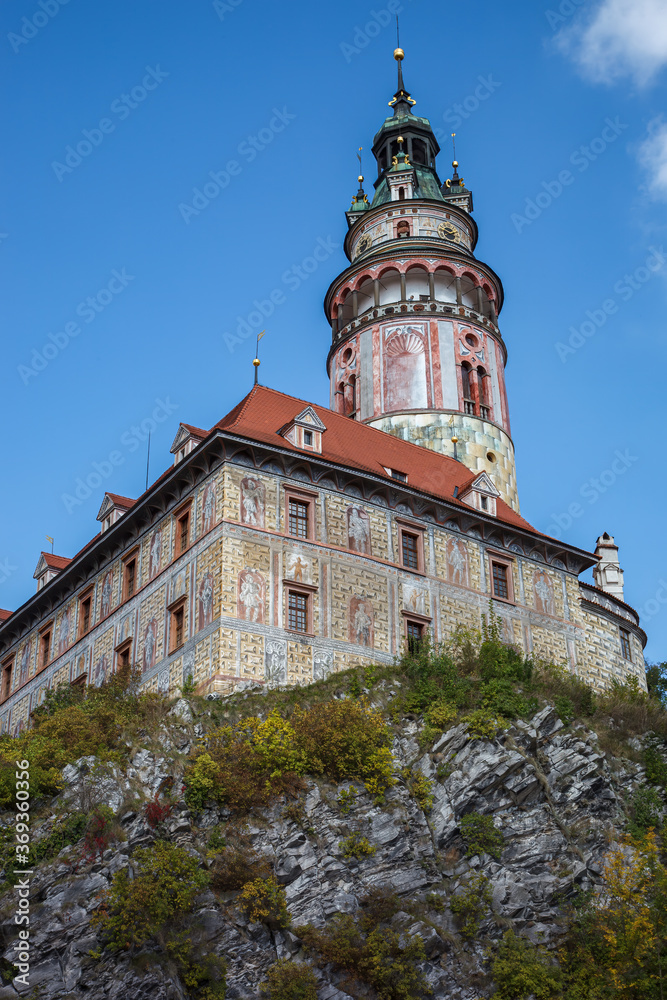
point(608, 574)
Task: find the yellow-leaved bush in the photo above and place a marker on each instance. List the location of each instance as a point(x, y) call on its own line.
point(245, 765)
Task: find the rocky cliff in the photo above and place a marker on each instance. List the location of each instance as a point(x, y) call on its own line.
point(486, 825)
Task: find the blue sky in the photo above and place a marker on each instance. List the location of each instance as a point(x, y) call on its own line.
point(119, 300)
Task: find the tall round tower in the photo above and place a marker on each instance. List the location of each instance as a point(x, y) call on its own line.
point(416, 350)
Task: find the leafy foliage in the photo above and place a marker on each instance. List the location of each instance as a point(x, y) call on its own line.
point(373, 955)
point(481, 836)
point(472, 904)
point(356, 846)
point(521, 970)
point(264, 900)
point(288, 980)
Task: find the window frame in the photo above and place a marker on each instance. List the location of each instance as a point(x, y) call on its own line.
point(624, 636)
point(124, 647)
point(8, 666)
point(302, 590)
point(416, 530)
point(131, 557)
point(413, 618)
point(87, 597)
point(180, 514)
point(308, 498)
point(174, 609)
point(45, 630)
point(501, 559)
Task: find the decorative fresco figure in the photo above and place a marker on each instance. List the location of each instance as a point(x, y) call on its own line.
point(208, 508)
point(107, 587)
point(413, 599)
point(253, 496)
point(544, 593)
point(361, 621)
point(206, 600)
point(322, 664)
point(63, 632)
point(101, 670)
point(298, 568)
point(457, 562)
point(358, 530)
point(406, 369)
point(250, 603)
point(156, 553)
point(80, 665)
point(275, 661)
point(150, 644)
point(25, 661)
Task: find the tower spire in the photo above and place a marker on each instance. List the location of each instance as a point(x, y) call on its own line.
point(401, 102)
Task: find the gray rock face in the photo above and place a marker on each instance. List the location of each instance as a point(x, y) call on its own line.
point(549, 790)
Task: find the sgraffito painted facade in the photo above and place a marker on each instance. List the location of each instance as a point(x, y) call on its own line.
point(292, 540)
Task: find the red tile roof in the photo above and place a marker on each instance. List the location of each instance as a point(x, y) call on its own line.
point(119, 501)
point(195, 431)
point(358, 446)
point(4, 615)
point(56, 562)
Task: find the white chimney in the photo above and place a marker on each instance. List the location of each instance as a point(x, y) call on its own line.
point(608, 574)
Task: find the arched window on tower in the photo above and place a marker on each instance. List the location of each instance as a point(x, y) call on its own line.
point(418, 151)
point(468, 403)
point(340, 398)
point(482, 393)
point(350, 397)
point(401, 194)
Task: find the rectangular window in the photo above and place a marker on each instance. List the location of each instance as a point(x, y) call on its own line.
point(85, 608)
point(297, 611)
point(7, 669)
point(500, 581)
point(401, 477)
point(299, 518)
point(626, 649)
point(410, 550)
point(123, 654)
point(183, 532)
point(308, 438)
point(45, 648)
point(414, 632)
point(129, 577)
point(177, 631)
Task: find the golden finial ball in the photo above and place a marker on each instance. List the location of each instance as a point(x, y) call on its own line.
point(455, 440)
point(400, 139)
point(398, 54)
point(256, 362)
point(360, 178)
point(455, 164)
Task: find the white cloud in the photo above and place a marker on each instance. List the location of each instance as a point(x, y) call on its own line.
point(621, 38)
point(653, 157)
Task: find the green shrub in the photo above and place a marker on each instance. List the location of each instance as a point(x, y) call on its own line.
point(483, 725)
point(500, 698)
point(472, 904)
point(356, 846)
point(165, 882)
point(565, 709)
point(481, 836)
point(236, 866)
point(520, 970)
point(288, 980)
point(376, 958)
point(646, 806)
point(264, 900)
point(422, 789)
point(346, 797)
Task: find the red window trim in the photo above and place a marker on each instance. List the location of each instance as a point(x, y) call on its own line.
point(507, 562)
point(173, 609)
point(178, 514)
point(307, 591)
point(300, 496)
point(410, 528)
point(87, 595)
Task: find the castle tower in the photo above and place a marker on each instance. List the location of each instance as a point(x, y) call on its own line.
point(608, 574)
point(416, 349)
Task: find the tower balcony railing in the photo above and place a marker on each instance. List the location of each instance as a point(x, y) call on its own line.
point(413, 308)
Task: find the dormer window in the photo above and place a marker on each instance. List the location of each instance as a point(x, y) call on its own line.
point(481, 494)
point(305, 431)
point(48, 567)
point(400, 477)
point(112, 509)
point(186, 440)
